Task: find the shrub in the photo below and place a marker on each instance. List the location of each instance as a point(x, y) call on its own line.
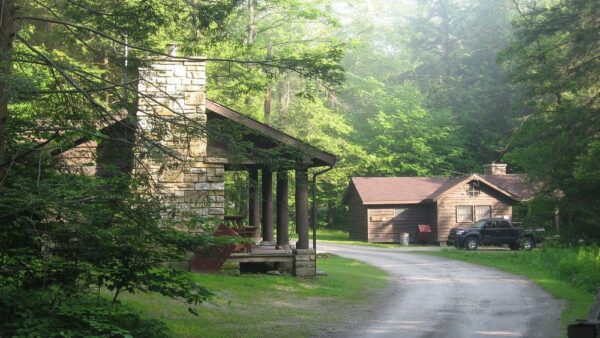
point(578, 265)
point(37, 314)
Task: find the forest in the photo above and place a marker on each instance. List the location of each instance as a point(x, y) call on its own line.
point(392, 88)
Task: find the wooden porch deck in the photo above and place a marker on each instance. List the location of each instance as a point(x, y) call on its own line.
point(263, 254)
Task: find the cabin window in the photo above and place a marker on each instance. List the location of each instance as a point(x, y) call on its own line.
point(482, 212)
point(400, 214)
point(464, 213)
point(474, 189)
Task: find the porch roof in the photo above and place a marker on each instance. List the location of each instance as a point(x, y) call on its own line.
point(263, 137)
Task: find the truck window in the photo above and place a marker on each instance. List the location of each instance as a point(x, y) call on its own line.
point(504, 224)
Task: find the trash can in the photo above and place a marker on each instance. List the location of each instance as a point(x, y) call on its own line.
point(404, 237)
point(423, 233)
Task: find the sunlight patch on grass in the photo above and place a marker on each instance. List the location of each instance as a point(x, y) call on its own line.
point(265, 305)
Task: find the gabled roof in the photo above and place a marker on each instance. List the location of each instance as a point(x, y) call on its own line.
point(415, 190)
point(396, 190)
point(319, 157)
point(518, 184)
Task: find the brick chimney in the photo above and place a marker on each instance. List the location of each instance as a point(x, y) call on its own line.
point(495, 169)
point(172, 113)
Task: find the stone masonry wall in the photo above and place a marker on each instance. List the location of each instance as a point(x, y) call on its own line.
point(172, 113)
point(304, 263)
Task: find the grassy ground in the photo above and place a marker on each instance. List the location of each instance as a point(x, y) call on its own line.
point(265, 305)
point(339, 236)
point(527, 263)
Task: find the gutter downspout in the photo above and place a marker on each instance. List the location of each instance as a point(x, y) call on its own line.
point(314, 208)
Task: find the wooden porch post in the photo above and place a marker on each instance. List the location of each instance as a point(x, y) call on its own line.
point(282, 209)
point(302, 208)
point(267, 206)
point(253, 204)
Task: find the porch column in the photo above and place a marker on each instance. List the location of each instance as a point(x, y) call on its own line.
point(267, 205)
point(282, 208)
point(253, 204)
point(302, 208)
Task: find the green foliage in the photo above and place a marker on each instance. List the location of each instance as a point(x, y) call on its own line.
point(554, 61)
point(454, 47)
point(66, 233)
point(37, 314)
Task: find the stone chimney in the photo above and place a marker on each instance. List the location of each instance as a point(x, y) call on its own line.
point(495, 169)
point(172, 114)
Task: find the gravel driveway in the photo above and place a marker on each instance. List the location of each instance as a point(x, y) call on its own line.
point(437, 297)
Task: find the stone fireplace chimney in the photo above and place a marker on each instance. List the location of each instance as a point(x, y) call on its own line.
point(172, 114)
point(495, 169)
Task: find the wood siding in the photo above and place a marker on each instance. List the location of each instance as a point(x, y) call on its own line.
point(385, 226)
point(79, 159)
point(446, 207)
point(357, 217)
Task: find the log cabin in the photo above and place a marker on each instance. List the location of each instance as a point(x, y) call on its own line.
point(380, 209)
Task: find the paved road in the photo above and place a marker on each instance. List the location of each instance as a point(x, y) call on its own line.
point(436, 297)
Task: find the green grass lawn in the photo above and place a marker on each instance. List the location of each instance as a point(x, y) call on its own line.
point(342, 237)
point(266, 305)
point(529, 264)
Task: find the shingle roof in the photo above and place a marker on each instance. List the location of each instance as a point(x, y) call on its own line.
point(389, 190)
point(516, 184)
point(413, 190)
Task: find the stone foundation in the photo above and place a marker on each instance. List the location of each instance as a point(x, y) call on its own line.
point(304, 263)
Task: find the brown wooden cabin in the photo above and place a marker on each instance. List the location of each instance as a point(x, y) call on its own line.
point(381, 208)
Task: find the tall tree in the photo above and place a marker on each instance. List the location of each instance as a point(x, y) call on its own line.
point(555, 61)
point(455, 45)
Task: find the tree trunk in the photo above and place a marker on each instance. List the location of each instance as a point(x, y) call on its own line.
point(250, 36)
point(251, 23)
point(269, 92)
point(7, 35)
point(330, 206)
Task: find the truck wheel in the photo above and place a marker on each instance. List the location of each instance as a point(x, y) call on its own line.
point(527, 243)
point(514, 246)
point(471, 244)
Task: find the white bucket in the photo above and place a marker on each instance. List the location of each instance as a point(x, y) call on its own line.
point(404, 238)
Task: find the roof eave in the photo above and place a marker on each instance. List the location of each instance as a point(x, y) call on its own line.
point(480, 178)
point(397, 202)
point(323, 158)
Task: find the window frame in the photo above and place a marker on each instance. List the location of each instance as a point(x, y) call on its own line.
point(470, 213)
point(473, 191)
point(475, 214)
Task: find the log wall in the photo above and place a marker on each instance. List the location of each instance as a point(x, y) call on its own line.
point(357, 217)
point(386, 222)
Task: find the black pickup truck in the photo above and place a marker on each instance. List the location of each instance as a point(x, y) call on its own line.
point(495, 231)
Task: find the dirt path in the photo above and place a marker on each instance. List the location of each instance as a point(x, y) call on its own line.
point(436, 297)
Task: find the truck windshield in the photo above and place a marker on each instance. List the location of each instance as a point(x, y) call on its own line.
point(479, 224)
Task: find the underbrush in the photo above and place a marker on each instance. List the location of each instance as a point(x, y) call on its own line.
point(40, 314)
point(579, 266)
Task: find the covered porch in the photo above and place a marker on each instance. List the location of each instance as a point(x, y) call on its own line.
point(268, 158)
